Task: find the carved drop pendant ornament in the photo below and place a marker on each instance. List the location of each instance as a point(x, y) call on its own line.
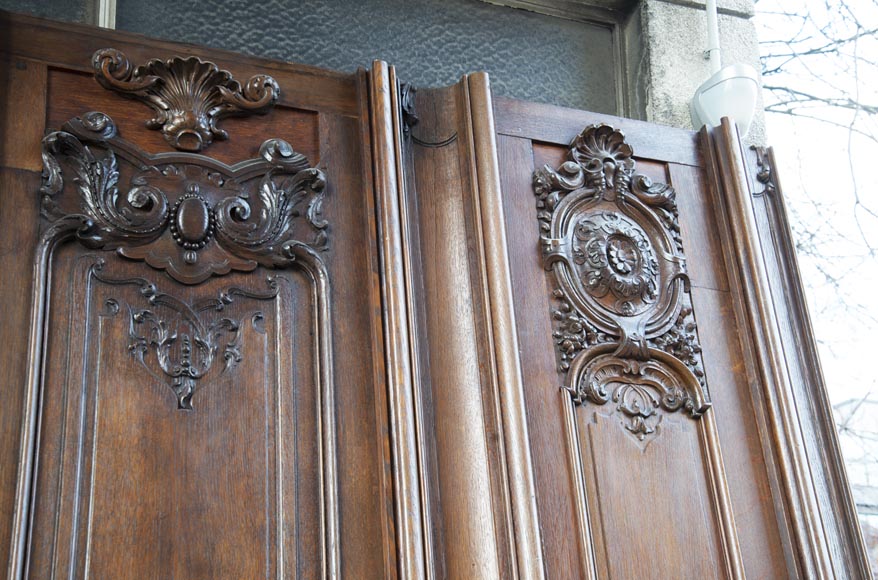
point(624, 328)
point(189, 96)
point(183, 213)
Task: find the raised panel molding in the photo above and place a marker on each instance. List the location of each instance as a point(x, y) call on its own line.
point(175, 395)
point(846, 549)
point(624, 326)
point(194, 218)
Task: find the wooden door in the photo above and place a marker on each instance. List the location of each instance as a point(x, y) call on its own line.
point(201, 391)
point(641, 398)
point(265, 320)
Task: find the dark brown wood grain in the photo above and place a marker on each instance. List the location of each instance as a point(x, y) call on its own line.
point(71, 46)
point(553, 124)
point(837, 508)
point(354, 361)
point(467, 495)
point(527, 143)
point(72, 94)
point(17, 246)
point(242, 485)
point(545, 401)
point(130, 482)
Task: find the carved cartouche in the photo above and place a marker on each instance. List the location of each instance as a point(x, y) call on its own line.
point(624, 328)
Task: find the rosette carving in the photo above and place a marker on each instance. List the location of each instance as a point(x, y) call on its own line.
point(184, 213)
point(188, 95)
point(625, 330)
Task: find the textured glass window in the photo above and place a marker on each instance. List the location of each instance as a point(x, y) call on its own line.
point(69, 10)
point(432, 42)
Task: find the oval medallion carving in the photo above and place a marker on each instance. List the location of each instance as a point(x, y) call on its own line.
point(193, 221)
point(183, 213)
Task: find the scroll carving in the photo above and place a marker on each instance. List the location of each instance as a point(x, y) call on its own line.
point(179, 342)
point(765, 175)
point(183, 213)
point(189, 96)
point(407, 104)
point(624, 328)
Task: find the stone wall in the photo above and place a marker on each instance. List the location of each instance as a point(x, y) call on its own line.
point(666, 40)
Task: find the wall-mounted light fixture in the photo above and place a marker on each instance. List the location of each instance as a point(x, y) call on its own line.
point(729, 92)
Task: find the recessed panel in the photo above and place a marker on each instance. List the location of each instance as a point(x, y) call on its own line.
point(224, 487)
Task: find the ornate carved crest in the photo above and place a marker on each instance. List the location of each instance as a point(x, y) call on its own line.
point(189, 96)
point(624, 327)
point(181, 212)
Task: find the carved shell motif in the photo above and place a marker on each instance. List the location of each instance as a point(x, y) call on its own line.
point(625, 329)
point(189, 96)
point(184, 213)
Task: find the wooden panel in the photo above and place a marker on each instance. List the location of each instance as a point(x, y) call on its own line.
point(648, 504)
point(795, 496)
point(749, 487)
point(698, 228)
point(462, 448)
point(357, 354)
point(409, 398)
point(545, 406)
point(620, 525)
point(19, 211)
point(403, 398)
point(837, 508)
point(68, 45)
point(128, 481)
point(256, 480)
point(736, 418)
point(24, 111)
point(551, 124)
point(21, 129)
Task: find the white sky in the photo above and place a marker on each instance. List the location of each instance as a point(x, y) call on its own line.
point(820, 179)
point(824, 170)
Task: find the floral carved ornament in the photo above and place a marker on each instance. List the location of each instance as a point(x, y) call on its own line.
point(624, 328)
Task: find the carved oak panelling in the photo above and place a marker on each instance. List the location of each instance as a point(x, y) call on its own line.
point(624, 328)
point(244, 352)
point(133, 479)
point(181, 341)
point(184, 213)
point(189, 96)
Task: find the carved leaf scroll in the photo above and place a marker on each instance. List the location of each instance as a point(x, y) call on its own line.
point(624, 327)
point(189, 96)
point(179, 342)
point(184, 213)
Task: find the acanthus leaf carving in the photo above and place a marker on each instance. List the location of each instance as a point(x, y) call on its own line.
point(624, 329)
point(640, 389)
point(184, 213)
point(188, 96)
